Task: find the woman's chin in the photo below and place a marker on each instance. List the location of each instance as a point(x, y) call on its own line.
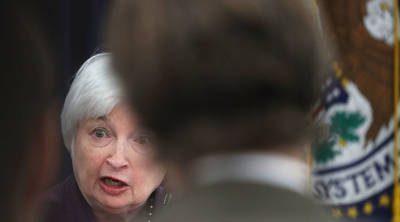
point(118, 204)
point(114, 204)
point(116, 208)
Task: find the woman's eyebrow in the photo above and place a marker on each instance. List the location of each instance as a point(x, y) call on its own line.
point(108, 121)
point(100, 119)
point(142, 126)
point(103, 118)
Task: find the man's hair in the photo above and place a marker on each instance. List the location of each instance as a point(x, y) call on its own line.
point(94, 92)
point(26, 91)
point(219, 75)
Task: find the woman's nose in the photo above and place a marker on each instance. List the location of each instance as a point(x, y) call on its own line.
point(117, 158)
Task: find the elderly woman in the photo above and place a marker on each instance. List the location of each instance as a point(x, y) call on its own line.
point(116, 177)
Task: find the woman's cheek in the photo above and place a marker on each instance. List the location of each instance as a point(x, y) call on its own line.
point(87, 160)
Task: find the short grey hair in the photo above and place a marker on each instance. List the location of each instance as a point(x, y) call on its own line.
point(94, 92)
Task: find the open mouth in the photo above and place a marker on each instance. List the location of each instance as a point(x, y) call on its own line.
point(112, 182)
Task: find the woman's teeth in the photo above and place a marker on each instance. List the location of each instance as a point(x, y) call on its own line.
point(113, 183)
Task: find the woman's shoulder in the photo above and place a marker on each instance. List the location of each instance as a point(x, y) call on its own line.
point(161, 197)
point(64, 202)
point(53, 200)
point(56, 195)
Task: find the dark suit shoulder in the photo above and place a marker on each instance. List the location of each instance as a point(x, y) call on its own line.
point(53, 201)
point(243, 202)
point(64, 203)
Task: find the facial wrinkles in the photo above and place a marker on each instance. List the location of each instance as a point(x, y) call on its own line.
point(140, 172)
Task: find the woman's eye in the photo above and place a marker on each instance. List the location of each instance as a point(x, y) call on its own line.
point(101, 137)
point(142, 140)
point(100, 133)
point(143, 143)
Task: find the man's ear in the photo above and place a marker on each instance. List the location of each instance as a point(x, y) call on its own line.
point(41, 162)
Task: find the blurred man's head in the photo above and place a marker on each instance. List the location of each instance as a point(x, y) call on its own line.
point(214, 76)
point(28, 130)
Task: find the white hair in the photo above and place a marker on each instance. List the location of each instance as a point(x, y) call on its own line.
point(94, 93)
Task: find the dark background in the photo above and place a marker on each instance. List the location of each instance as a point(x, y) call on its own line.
point(74, 31)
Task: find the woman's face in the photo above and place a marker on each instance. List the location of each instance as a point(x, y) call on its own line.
point(113, 162)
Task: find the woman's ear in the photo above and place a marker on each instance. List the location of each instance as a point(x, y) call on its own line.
point(41, 162)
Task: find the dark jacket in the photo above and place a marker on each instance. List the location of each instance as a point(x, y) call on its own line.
point(64, 203)
point(242, 202)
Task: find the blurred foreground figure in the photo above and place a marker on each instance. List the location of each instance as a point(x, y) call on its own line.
point(28, 123)
point(226, 85)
